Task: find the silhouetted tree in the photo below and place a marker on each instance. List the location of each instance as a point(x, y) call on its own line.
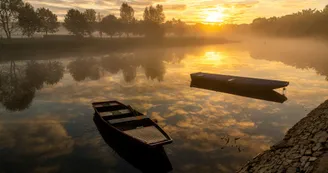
point(138, 27)
point(109, 25)
point(76, 23)
point(177, 27)
point(48, 21)
point(90, 16)
point(154, 14)
point(127, 17)
point(325, 10)
point(28, 20)
point(9, 10)
point(98, 20)
point(308, 22)
point(153, 18)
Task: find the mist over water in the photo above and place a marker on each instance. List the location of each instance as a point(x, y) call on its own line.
point(46, 117)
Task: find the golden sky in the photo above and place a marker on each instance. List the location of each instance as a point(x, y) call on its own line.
point(230, 11)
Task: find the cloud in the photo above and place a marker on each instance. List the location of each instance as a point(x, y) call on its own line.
point(175, 7)
point(241, 4)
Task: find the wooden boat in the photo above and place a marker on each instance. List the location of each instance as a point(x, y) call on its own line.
point(235, 81)
point(147, 160)
point(268, 95)
point(130, 126)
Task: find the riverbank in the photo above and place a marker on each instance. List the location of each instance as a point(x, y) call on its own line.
point(303, 149)
point(16, 49)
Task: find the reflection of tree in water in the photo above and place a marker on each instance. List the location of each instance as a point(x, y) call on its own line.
point(151, 61)
point(55, 72)
point(84, 68)
point(18, 83)
point(154, 69)
point(299, 56)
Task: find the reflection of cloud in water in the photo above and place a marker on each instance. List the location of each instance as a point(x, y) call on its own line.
point(33, 138)
point(31, 143)
point(196, 119)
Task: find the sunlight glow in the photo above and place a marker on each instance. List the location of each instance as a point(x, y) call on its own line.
point(213, 58)
point(216, 16)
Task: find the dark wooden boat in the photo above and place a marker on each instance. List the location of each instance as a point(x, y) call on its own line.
point(267, 95)
point(235, 81)
point(130, 126)
point(147, 160)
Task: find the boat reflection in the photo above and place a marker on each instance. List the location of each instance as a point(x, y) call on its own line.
point(267, 95)
point(146, 160)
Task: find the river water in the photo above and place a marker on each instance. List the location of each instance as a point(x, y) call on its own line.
point(46, 115)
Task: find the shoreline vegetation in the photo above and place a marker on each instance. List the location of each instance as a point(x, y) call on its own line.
point(89, 31)
point(56, 48)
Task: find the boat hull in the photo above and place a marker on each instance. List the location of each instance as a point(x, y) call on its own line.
point(146, 159)
point(237, 82)
point(267, 95)
point(120, 136)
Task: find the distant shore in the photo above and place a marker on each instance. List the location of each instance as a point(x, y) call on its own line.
point(24, 48)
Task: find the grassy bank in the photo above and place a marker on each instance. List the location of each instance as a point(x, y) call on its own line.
point(29, 48)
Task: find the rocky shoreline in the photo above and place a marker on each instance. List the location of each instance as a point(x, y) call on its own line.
point(303, 149)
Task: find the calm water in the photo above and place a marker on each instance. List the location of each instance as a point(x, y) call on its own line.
point(46, 117)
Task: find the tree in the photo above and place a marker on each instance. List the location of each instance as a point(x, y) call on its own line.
point(28, 20)
point(109, 25)
point(177, 27)
point(153, 18)
point(9, 10)
point(75, 22)
point(154, 14)
point(325, 10)
point(99, 19)
point(48, 21)
point(90, 16)
point(127, 17)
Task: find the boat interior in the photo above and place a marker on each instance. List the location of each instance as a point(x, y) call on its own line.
point(131, 122)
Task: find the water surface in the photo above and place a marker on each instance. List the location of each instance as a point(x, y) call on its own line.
point(46, 117)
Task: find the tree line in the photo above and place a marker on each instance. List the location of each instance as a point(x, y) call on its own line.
point(309, 22)
point(16, 15)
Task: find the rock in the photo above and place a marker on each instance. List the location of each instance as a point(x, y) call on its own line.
point(306, 165)
point(302, 151)
point(317, 147)
point(320, 136)
point(309, 169)
point(304, 159)
point(317, 153)
point(311, 159)
point(308, 152)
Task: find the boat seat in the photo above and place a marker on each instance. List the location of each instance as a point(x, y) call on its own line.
point(114, 113)
point(149, 134)
point(126, 119)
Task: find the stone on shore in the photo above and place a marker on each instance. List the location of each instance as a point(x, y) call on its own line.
point(303, 149)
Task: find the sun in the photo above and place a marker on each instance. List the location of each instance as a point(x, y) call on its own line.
point(216, 16)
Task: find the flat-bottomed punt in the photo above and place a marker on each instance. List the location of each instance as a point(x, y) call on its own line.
point(267, 95)
point(147, 160)
point(130, 125)
point(238, 82)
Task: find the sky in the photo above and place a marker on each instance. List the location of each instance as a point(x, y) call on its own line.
point(191, 11)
